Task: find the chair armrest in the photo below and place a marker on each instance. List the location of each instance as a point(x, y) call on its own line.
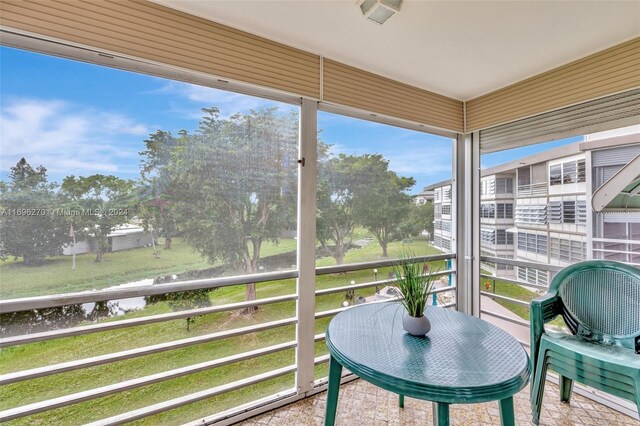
point(545, 307)
point(543, 310)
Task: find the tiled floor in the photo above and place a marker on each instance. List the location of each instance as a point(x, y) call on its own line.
point(362, 404)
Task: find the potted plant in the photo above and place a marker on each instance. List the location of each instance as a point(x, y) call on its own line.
point(415, 287)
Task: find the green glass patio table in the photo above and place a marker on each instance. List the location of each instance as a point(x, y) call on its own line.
point(462, 360)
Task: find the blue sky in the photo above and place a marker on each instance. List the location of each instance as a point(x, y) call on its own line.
point(77, 118)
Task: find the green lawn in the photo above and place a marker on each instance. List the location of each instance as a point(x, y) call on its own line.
point(51, 352)
point(514, 291)
point(55, 275)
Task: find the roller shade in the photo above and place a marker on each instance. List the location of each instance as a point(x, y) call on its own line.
point(601, 114)
point(614, 157)
point(145, 30)
point(348, 86)
point(610, 71)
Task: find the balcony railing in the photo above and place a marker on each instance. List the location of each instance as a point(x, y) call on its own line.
point(95, 360)
point(510, 281)
point(621, 250)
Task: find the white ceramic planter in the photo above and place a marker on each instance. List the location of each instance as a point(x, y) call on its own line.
point(416, 326)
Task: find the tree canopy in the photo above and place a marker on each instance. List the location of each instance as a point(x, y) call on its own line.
point(231, 184)
point(359, 191)
point(30, 226)
point(103, 202)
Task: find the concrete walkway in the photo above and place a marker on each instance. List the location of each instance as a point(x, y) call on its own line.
point(518, 331)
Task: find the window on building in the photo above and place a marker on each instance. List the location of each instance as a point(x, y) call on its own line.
point(504, 211)
point(446, 193)
point(555, 211)
point(531, 213)
point(446, 209)
point(488, 210)
point(581, 212)
point(504, 237)
point(446, 244)
point(554, 248)
point(577, 251)
point(569, 172)
point(568, 211)
point(524, 176)
point(539, 174)
point(504, 186)
point(582, 171)
point(488, 186)
point(555, 174)
point(532, 243)
point(567, 250)
point(487, 236)
point(613, 250)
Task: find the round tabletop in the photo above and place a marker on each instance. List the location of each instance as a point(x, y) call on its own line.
point(461, 360)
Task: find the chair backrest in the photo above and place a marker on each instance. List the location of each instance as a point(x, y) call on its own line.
point(601, 300)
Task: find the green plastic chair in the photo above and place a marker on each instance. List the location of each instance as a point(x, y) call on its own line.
point(600, 303)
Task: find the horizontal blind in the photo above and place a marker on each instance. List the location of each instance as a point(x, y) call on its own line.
point(570, 121)
point(352, 87)
point(613, 70)
point(614, 157)
point(156, 33)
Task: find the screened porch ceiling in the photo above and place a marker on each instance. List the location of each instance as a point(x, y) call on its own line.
point(459, 49)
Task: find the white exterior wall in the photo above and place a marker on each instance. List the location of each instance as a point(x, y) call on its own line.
point(130, 241)
point(80, 247)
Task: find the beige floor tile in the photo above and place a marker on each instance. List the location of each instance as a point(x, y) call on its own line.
point(362, 404)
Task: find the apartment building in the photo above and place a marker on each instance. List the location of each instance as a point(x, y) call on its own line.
point(538, 208)
point(497, 191)
point(614, 232)
point(442, 225)
point(423, 197)
point(550, 212)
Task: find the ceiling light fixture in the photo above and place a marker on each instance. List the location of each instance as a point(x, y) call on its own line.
point(379, 11)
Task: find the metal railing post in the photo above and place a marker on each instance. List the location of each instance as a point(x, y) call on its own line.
point(307, 178)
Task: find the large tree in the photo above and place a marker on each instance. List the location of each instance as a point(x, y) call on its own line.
point(234, 185)
point(31, 227)
point(158, 179)
point(335, 219)
point(381, 201)
point(103, 202)
point(420, 218)
point(359, 191)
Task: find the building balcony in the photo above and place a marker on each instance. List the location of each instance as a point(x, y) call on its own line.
point(240, 382)
point(186, 204)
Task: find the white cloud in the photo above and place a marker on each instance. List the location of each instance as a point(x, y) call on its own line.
point(229, 103)
point(65, 138)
